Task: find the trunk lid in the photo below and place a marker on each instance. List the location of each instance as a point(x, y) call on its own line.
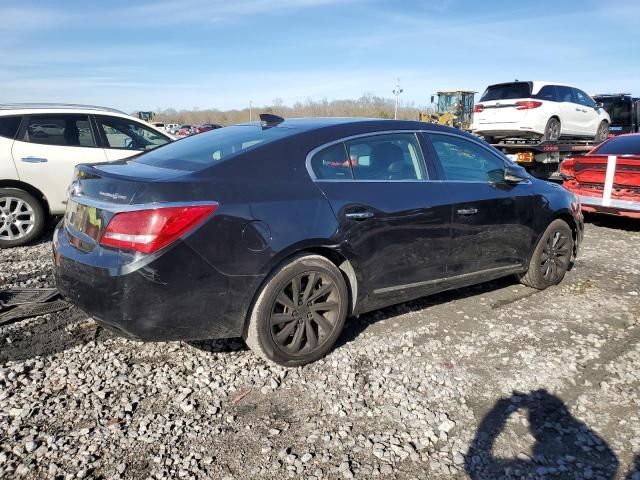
point(591, 170)
point(99, 191)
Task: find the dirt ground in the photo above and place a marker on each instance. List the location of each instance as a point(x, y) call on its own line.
point(493, 381)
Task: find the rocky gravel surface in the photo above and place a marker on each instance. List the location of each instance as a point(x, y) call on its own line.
point(493, 381)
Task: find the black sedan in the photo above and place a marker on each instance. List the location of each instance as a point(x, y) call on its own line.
point(278, 230)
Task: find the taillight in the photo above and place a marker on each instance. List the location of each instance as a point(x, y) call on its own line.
point(567, 169)
point(147, 231)
point(527, 104)
point(478, 108)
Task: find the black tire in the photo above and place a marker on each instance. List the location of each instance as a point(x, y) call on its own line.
point(290, 292)
point(602, 133)
point(551, 258)
point(22, 217)
point(552, 130)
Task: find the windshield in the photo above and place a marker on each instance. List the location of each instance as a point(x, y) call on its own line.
point(506, 91)
point(214, 146)
point(623, 145)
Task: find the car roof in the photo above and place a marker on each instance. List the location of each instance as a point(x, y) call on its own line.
point(313, 123)
point(11, 108)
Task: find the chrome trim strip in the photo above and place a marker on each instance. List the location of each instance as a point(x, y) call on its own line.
point(116, 208)
point(506, 269)
point(496, 153)
point(615, 203)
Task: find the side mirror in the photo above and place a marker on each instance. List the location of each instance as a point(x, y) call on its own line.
point(599, 105)
point(514, 174)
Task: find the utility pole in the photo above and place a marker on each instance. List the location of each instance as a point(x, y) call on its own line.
point(397, 91)
point(250, 112)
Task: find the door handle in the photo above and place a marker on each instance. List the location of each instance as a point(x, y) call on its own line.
point(34, 159)
point(359, 215)
point(467, 212)
point(578, 109)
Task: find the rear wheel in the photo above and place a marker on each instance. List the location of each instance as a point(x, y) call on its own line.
point(552, 130)
point(551, 257)
point(22, 217)
point(602, 133)
point(299, 313)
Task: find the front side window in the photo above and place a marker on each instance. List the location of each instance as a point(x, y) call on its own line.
point(584, 99)
point(60, 130)
point(464, 160)
point(394, 156)
point(121, 133)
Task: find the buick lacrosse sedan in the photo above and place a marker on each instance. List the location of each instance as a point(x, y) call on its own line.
point(279, 230)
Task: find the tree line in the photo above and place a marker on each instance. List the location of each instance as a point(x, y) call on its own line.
point(369, 106)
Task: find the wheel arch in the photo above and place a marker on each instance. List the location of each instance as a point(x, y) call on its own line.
point(29, 189)
point(338, 258)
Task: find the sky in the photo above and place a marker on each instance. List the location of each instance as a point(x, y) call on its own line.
point(186, 54)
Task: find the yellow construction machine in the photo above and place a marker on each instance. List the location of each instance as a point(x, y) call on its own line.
point(453, 108)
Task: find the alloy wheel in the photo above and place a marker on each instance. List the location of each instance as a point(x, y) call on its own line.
point(305, 313)
point(17, 218)
point(553, 132)
point(555, 256)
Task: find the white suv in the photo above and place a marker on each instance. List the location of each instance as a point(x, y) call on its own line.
point(543, 110)
point(40, 144)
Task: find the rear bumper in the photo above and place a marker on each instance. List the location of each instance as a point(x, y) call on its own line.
point(176, 296)
point(624, 204)
point(508, 129)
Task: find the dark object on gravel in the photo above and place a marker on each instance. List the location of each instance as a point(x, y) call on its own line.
point(23, 303)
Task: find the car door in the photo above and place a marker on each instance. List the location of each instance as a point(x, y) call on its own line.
point(47, 149)
point(492, 221)
point(393, 220)
point(589, 118)
point(124, 138)
point(570, 111)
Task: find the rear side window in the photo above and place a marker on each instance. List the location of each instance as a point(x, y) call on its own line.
point(60, 130)
point(208, 148)
point(548, 92)
point(465, 161)
point(386, 157)
point(565, 94)
point(332, 163)
point(9, 126)
point(506, 91)
point(624, 145)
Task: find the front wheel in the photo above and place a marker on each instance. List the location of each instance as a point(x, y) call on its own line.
point(551, 257)
point(299, 312)
point(602, 133)
point(22, 217)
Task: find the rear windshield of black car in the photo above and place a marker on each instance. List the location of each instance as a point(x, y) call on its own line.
point(624, 145)
point(206, 149)
point(506, 91)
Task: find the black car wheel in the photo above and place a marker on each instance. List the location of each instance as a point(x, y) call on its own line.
point(602, 133)
point(552, 130)
point(299, 313)
point(551, 257)
point(22, 217)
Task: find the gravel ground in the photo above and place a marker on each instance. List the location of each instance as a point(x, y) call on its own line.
point(493, 381)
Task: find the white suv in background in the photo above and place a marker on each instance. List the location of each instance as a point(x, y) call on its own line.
point(40, 144)
point(541, 110)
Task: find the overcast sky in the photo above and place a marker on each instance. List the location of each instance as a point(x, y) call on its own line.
point(139, 55)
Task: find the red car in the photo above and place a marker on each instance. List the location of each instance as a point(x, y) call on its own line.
point(205, 128)
point(587, 177)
